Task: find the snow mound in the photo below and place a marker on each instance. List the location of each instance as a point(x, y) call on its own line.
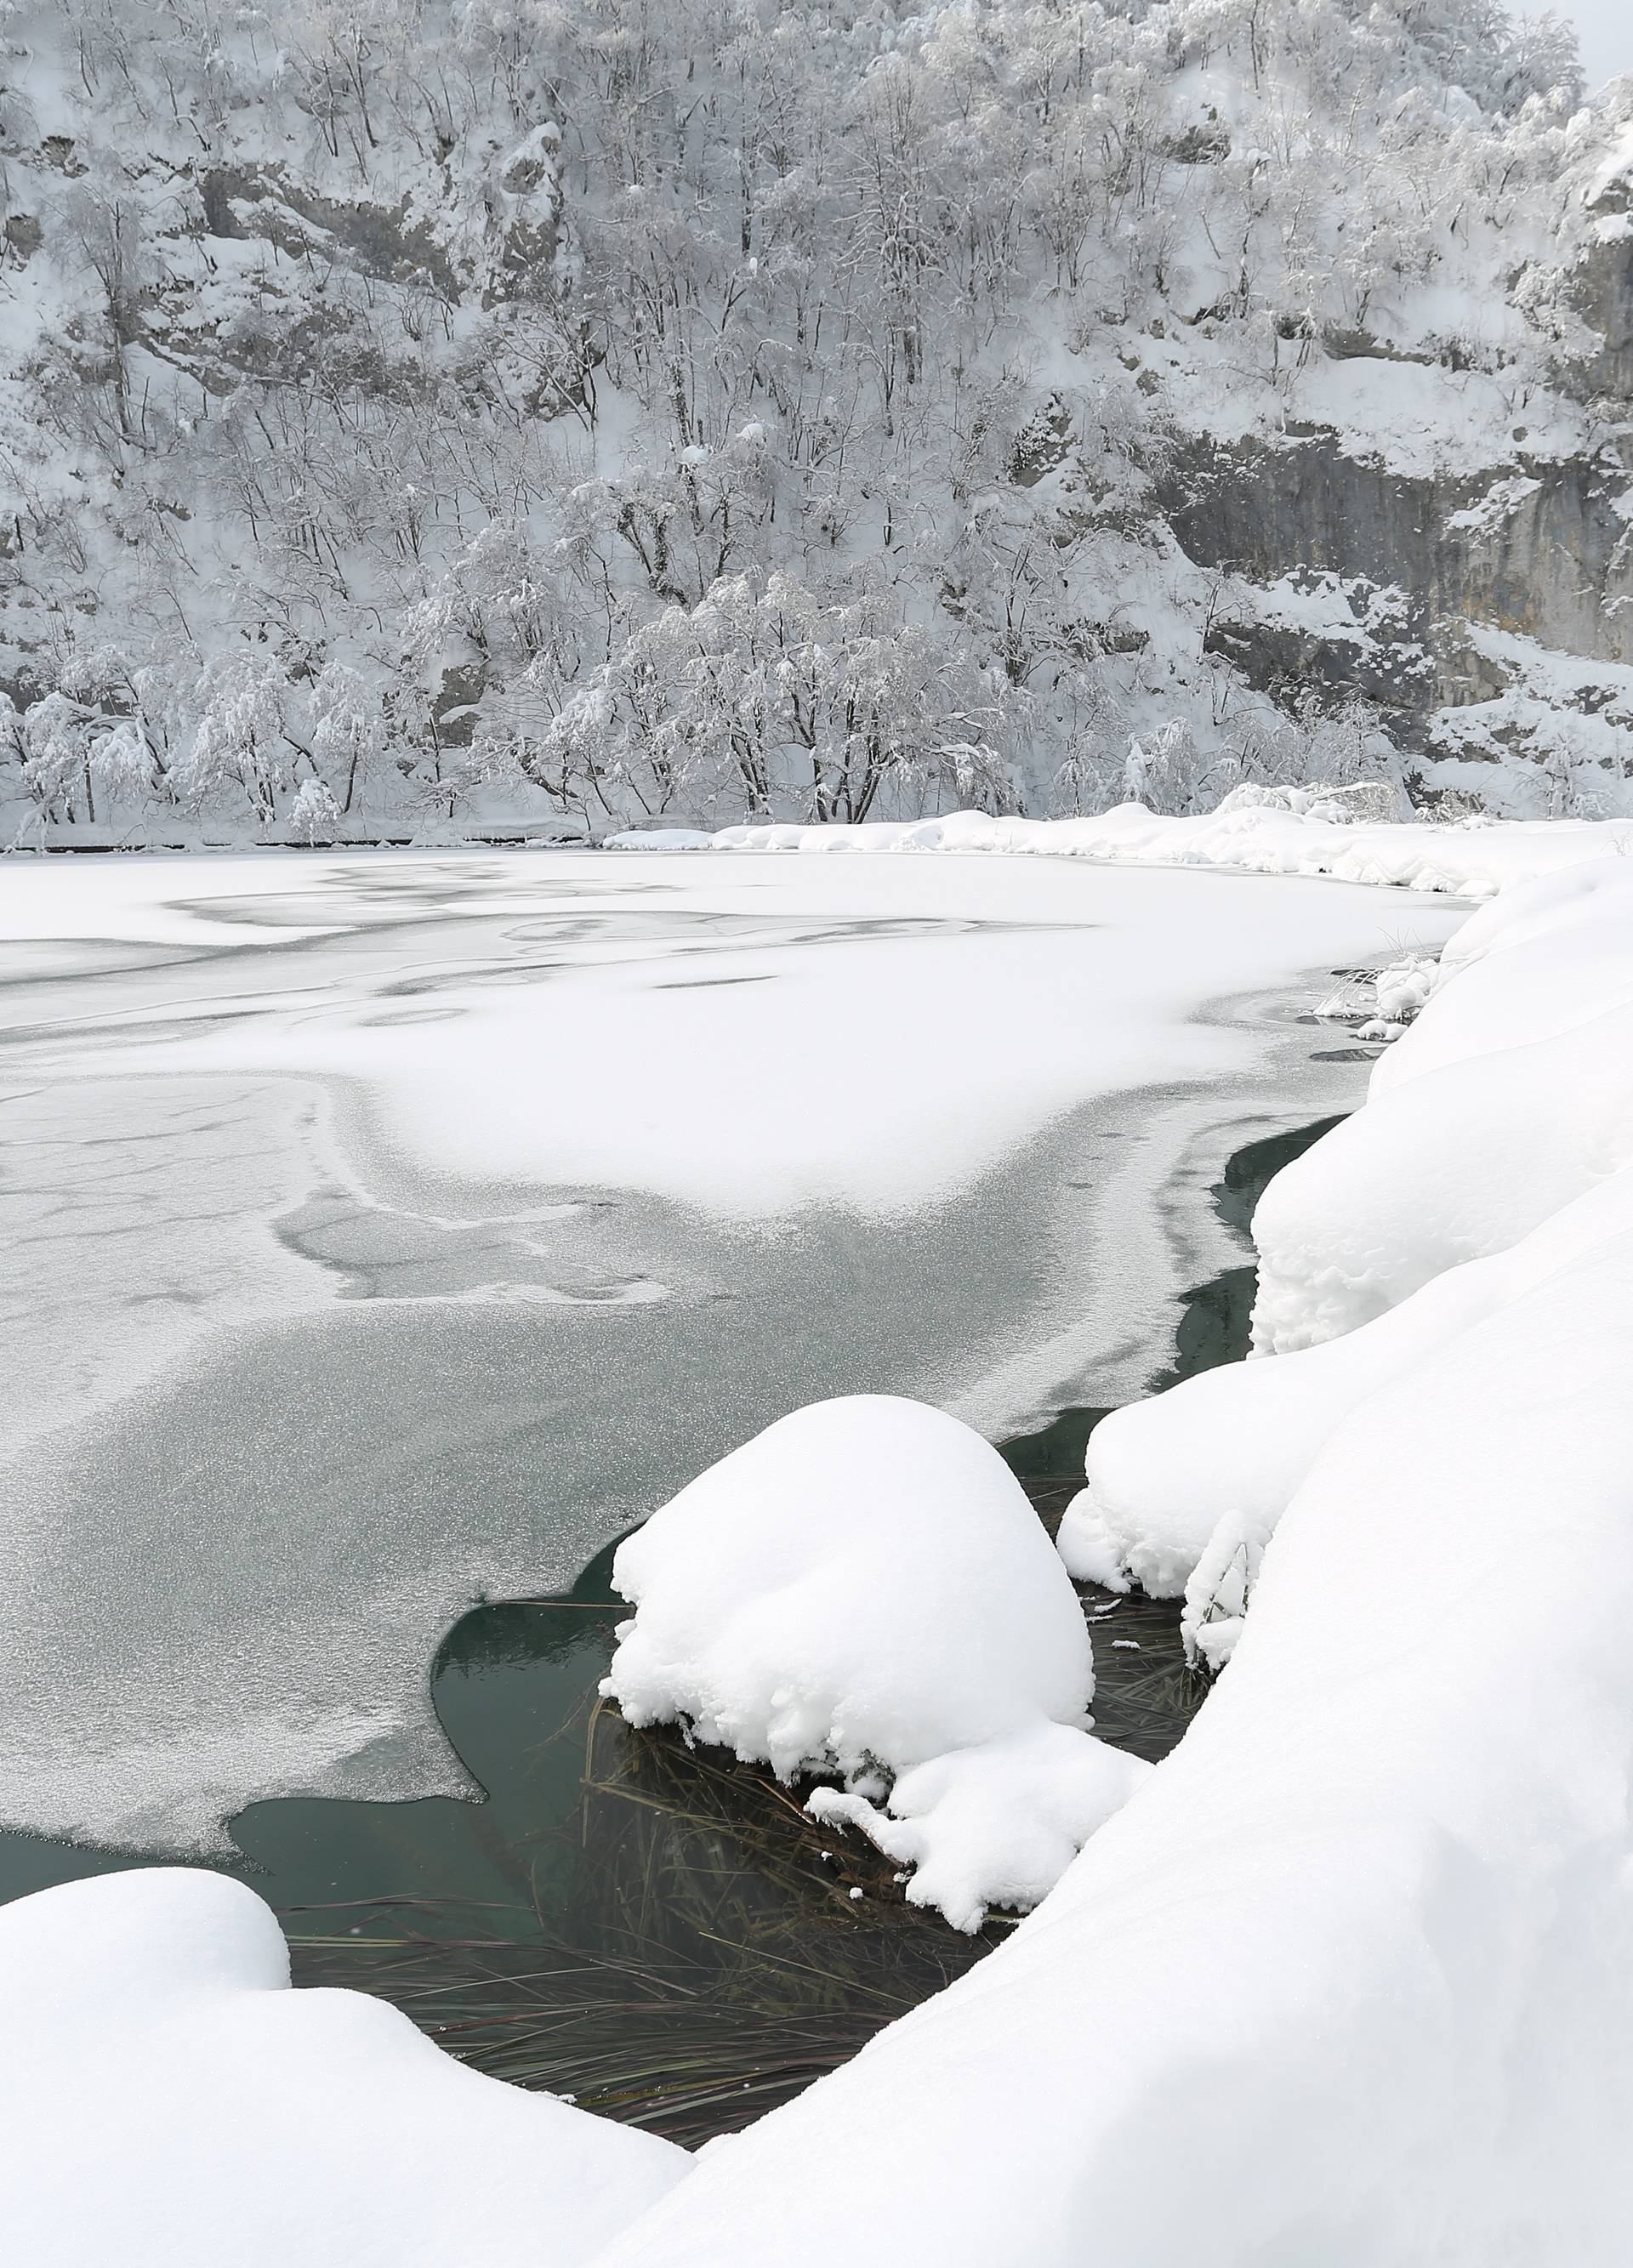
point(864, 1590)
point(168, 2103)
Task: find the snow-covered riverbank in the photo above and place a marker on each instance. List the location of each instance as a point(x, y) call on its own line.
point(1255, 831)
point(1364, 1938)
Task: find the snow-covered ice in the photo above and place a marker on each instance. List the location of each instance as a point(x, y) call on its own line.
point(864, 1589)
point(168, 2102)
point(385, 1231)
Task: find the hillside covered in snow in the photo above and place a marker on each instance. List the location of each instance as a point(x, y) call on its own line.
point(430, 418)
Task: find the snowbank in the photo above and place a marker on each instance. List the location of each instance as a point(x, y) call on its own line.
point(1459, 1162)
point(167, 2102)
point(1352, 1982)
point(1546, 955)
point(1186, 1487)
point(1509, 1096)
point(1262, 831)
point(863, 1589)
point(1497, 1148)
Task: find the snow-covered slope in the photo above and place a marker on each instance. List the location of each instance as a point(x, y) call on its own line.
point(438, 417)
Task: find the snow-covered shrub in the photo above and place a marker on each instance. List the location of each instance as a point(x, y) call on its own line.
point(864, 1590)
point(314, 814)
point(1382, 1002)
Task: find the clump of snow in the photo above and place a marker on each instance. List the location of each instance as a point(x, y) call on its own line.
point(168, 2103)
point(994, 1825)
point(864, 1590)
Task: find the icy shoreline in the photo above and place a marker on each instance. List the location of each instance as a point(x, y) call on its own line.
point(1259, 832)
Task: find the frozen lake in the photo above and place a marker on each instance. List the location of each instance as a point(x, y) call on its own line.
point(385, 1232)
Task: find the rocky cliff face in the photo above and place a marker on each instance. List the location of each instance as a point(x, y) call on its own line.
point(1486, 609)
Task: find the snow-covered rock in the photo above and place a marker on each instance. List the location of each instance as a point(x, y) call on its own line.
point(863, 1589)
point(166, 2102)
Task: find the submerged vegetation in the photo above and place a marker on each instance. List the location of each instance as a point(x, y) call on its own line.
point(688, 1946)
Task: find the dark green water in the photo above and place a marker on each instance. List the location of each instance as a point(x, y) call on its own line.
point(660, 1933)
point(1214, 1318)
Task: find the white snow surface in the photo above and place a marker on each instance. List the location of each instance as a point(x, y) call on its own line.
point(168, 2102)
point(1544, 957)
point(1509, 1096)
point(864, 1588)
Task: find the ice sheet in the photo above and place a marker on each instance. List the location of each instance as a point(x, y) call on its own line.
point(390, 1230)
